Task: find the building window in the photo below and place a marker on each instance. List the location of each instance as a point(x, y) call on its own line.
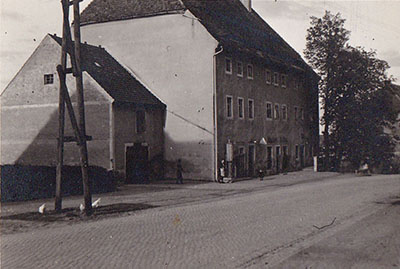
point(251, 109)
point(275, 79)
point(241, 108)
point(284, 112)
point(229, 107)
point(239, 69)
point(277, 151)
point(283, 81)
point(140, 121)
point(269, 157)
point(228, 66)
point(250, 71)
point(276, 111)
point(269, 111)
point(268, 76)
point(48, 79)
point(297, 152)
point(295, 112)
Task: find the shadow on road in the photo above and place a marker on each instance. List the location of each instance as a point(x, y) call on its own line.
point(72, 214)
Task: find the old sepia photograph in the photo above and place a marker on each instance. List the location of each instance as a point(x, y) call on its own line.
point(200, 134)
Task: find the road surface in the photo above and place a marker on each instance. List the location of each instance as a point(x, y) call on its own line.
point(284, 223)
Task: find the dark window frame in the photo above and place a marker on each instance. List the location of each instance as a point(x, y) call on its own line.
point(251, 109)
point(270, 111)
point(229, 106)
point(48, 79)
point(228, 65)
point(250, 74)
point(239, 66)
point(241, 108)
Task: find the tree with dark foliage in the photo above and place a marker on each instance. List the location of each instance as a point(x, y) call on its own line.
point(361, 109)
point(326, 38)
point(353, 96)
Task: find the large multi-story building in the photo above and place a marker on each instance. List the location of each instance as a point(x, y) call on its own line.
point(233, 87)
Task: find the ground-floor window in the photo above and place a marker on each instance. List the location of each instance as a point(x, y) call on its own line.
point(269, 157)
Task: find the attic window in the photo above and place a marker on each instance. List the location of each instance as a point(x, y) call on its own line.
point(97, 64)
point(283, 81)
point(239, 69)
point(228, 66)
point(275, 79)
point(268, 76)
point(48, 79)
point(250, 71)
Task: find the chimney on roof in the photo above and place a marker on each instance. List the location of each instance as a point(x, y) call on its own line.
point(247, 4)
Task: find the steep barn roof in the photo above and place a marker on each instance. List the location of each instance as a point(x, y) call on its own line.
point(228, 21)
point(112, 77)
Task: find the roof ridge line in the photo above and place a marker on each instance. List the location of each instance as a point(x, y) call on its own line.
point(166, 12)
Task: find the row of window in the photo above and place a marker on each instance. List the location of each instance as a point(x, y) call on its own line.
point(239, 68)
point(241, 107)
point(275, 153)
point(299, 153)
point(299, 150)
point(275, 111)
point(274, 78)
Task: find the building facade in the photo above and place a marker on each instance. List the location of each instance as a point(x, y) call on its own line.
point(123, 118)
point(264, 112)
point(235, 90)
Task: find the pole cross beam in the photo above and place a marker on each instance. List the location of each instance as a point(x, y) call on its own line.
point(73, 49)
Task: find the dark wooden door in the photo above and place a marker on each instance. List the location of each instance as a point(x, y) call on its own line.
point(137, 164)
point(302, 156)
point(251, 160)
point(278, 158)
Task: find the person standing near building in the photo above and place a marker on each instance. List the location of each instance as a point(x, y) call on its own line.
point(221, 172)
point(179, 170)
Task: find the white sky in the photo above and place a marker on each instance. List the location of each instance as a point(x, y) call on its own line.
point(373, 25)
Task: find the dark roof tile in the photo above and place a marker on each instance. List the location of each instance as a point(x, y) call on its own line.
point(228, 21)
point(112, 77)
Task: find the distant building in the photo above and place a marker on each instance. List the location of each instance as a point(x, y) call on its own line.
point(228, 79)
point(123, 117)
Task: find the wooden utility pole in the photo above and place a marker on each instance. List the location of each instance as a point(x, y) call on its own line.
point(74, 51)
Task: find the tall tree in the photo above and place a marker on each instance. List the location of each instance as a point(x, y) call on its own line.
point(325, 40)
point(361, 108)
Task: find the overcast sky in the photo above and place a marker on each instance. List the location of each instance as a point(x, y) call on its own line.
point(373, 25)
